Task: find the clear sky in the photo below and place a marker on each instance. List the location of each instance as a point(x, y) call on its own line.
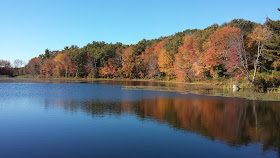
point(28, 27)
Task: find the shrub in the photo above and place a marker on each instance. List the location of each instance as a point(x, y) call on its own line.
point(260, 85)
point(273, 81)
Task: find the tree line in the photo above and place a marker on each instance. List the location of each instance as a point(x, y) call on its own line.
point(11, 69)
point(240, 49)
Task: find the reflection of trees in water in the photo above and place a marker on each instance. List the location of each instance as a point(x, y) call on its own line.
point(234, 121)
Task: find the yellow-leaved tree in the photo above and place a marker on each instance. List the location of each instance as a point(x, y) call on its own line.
point(259, 38)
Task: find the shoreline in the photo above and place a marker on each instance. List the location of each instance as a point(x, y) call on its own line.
point(199, 88)
point(207, 83)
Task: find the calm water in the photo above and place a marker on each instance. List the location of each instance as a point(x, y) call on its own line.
point(105, 120)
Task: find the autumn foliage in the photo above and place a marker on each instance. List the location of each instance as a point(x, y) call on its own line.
point(234, 49)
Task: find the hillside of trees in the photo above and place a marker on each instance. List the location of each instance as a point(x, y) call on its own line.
point(240, 49)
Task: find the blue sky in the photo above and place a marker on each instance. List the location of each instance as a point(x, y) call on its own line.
point(28, 27)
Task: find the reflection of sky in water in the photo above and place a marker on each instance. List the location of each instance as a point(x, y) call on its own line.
point(75, 91)
point(96, 120)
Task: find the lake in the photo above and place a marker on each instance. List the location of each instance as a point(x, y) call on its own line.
point(107, 119)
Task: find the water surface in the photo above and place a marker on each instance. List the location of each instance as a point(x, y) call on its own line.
point(107, 120)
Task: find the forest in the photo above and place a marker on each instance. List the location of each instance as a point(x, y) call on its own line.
point(239, 50)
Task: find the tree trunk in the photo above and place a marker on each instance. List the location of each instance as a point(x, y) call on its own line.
point(260, 47)
point(66, 75)
point(77, 71)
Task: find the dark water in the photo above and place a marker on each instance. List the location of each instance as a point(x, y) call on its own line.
point(104, 120)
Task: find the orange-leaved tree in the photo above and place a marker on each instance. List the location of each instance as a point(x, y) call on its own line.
point(184, 59)
point(129, 62)
point(48, 68)
point(165, 60)
point(34, 66)
point(217, 47)
point(65, 65)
